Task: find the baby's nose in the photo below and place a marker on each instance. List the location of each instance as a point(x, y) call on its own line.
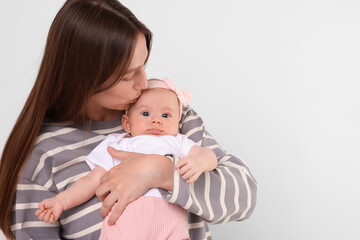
point(156, 121)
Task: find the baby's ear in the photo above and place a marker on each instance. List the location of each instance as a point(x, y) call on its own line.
point(125, 123)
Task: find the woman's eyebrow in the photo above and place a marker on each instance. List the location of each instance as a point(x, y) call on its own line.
point(132, 70)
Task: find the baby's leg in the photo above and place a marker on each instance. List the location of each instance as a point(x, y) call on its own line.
point(149, 218)
point(109, 232)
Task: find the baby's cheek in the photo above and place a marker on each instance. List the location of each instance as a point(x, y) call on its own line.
point(175, 129)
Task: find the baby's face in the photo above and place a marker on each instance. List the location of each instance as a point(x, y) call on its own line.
point(155, 113)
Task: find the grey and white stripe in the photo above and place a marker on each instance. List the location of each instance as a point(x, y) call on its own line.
point(226, 194)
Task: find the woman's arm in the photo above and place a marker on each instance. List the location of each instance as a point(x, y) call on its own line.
point(227, 193)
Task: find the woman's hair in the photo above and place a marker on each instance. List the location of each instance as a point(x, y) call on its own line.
point(89, 48)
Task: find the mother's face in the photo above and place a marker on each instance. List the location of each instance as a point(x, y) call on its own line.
point(107, 105)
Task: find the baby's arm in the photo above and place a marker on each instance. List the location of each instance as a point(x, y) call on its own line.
point(199, 160)
point(82, 190)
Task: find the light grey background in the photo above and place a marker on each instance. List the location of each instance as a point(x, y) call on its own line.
point(276, 82)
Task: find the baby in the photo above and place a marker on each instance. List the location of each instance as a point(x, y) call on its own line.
point(152, 127)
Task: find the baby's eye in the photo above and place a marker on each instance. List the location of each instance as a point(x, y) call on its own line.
point(146, 114)
point(165, 115)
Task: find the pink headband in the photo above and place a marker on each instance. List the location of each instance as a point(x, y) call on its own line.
point(183, 96)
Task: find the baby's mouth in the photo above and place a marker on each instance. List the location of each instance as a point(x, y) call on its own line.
point(154, 131)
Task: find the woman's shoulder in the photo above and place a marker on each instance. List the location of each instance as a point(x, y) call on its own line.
point(190, 120)
point(59, 152)
point(189, 114)
point(57, 135)
point(69, 135)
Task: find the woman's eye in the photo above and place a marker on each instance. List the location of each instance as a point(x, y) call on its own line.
point(127, 78)
point(165, 115)
point(146, 114)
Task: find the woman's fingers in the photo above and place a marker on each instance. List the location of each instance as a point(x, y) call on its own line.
point(108, 202)
point(124, 155)
point(131, 179)
point(121, 155)
point(117, 211)
point(101, 192)
point(105, 188)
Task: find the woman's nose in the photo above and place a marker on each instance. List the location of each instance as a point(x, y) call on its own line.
point(141, 80)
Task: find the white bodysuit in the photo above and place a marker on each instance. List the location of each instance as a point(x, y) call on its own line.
point(157, 219)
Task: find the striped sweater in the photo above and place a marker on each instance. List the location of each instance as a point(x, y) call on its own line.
point(227, 193)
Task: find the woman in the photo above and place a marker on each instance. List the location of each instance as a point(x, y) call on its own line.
point(92, 69)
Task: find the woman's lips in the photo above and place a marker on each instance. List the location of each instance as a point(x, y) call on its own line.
point(135, 99)
point(154, 131)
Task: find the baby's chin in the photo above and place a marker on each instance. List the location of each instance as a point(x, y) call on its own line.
point(155, 132)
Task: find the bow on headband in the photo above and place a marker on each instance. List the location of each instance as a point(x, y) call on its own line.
point(183, 96)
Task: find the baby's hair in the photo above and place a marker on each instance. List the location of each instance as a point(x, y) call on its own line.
point(132, 104)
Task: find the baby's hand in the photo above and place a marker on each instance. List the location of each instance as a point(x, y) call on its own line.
point(190, 169)
point(50, 210)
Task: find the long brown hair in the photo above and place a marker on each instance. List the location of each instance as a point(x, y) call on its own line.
point(89, 42)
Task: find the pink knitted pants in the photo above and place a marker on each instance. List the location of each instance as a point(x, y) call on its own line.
point(149, 218)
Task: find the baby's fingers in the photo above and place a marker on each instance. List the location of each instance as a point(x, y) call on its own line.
point(47, 216)
point(188, 174)
point(38, 212)
point(41, 215)
point(181, 163)
point(41, 205)
point(52, 219)
point(184, 169)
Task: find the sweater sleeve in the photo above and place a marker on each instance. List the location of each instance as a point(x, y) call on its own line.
point(228, 193)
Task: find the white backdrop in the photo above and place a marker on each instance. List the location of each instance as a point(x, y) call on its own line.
point(276, 82)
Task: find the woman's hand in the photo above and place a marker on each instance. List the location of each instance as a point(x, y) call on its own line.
point(129, 180)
